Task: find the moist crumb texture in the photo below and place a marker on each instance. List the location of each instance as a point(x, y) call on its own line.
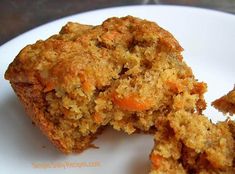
point(125, 73)
point(226, 103)
point(188, 143)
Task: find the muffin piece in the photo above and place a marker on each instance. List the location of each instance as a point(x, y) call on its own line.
point(50, 107)
point(188, 143)
point(226, 103)
point(152, 77)
point(125, 72)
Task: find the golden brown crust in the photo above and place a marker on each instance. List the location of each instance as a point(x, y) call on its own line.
point(31, 96)
point(226, 103)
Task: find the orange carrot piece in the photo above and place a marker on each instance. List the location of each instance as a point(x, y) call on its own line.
point(131, 103)
point(111, 35)
point(180, 58)
point(199, 88)
point(86, 84)
point(174, 86)
point(156, 160)
point(49, 86)
point(97, 118)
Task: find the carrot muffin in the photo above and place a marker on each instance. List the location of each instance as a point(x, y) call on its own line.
point(188, 143)
point(125, 73)
point(226, 103)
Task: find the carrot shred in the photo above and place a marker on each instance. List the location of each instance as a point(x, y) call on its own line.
point(156, 160)
point(131, 103)
point(86, 84)
point(49, 87)
point(199, 88)
point(174, 86)
point(180, 58)
point(111, 35)
point(97, 118)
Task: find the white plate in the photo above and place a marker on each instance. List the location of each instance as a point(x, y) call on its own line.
point(208, 38)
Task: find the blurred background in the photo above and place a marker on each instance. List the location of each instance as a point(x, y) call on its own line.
point(18, 16)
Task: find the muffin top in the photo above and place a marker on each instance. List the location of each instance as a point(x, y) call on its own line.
point(92, 57)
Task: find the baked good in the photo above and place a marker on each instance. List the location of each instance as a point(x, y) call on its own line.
point(188, 143)
point(39, 98)
point(226, 103)
point(125, 73)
